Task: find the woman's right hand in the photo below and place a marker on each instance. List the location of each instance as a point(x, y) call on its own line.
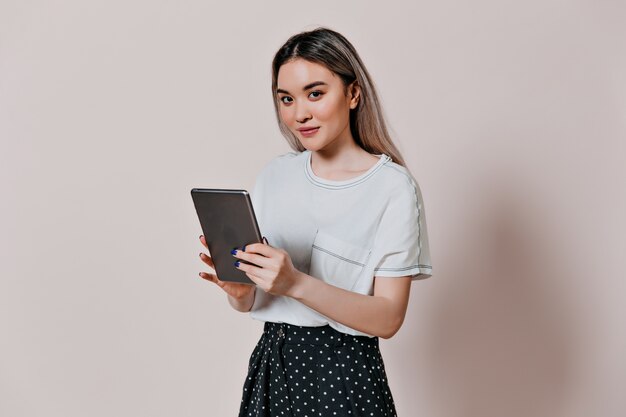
point(234, 289)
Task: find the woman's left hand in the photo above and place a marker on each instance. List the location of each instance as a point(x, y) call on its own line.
point(273, 270)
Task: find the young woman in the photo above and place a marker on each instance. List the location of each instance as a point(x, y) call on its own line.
point(347, 228)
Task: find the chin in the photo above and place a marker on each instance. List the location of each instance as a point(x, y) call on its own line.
point(311, 144)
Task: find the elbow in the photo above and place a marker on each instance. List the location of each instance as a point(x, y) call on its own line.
point(392, 327)
point(389, 333)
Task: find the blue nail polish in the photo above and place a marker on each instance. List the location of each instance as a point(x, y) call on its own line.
point(233, 252)
point(237, 263)
point(244, 248)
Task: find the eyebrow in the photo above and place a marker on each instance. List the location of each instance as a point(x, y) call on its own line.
point(306, 87)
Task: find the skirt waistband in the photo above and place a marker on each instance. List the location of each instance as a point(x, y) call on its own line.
point(319, 336)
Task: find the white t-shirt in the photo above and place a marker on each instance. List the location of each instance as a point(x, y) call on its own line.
point(343, 232)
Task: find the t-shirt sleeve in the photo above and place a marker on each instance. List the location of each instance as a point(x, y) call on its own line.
point(259, 189)
point(260, 195)
point(401, 244)
point(257, 197)
point(255, 193)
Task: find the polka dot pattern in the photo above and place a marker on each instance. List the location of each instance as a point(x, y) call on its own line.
point(298, 371)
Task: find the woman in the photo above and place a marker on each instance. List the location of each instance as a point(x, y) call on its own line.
point(348, 232)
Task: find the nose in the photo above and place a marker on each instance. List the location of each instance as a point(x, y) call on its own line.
point(302, 113)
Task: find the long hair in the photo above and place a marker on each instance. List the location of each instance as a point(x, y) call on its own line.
point(326, 47)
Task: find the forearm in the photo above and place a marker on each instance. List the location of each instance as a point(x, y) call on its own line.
point(244, 304)
point(373, 315)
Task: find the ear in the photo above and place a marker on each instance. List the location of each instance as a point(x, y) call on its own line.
point(355, 92)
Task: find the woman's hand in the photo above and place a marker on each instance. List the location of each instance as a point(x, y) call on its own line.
point(234, 289)
point(275, 272)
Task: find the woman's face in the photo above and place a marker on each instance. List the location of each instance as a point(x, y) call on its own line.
point(311, 96)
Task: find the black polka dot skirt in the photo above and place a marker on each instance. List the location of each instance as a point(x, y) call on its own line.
point(297, 371)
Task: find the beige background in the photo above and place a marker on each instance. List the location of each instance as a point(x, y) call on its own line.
point(511, 115)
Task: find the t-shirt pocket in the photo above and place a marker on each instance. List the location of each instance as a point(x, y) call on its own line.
point(336, 261)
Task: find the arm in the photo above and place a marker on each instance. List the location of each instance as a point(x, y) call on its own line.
point(379, 315)
point(242, 304)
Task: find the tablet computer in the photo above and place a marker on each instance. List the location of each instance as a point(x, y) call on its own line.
point(228, 221)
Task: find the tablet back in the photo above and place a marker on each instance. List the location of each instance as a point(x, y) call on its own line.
point(228, 221)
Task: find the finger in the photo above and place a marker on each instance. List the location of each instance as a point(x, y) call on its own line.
point(209, 277)
point(203, 241)
point(259, 274)
point(257, 280)
point(213, 278)
point(260, 248)
point(207, 260)
point(258, 260)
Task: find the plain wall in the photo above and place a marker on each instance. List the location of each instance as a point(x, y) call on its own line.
point(510, 114)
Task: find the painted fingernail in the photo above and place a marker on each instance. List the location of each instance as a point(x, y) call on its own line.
point(237, 264)
point(233, 252)
point(244, 248)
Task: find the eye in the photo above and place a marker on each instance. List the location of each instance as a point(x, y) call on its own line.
point(319, 94)
point(282, 99)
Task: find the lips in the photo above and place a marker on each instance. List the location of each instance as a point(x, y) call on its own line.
point(308, 131)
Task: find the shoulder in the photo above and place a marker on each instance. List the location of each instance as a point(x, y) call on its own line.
point(279, 163)
point(286, 157)
point(399, 182)
point(283, 158)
